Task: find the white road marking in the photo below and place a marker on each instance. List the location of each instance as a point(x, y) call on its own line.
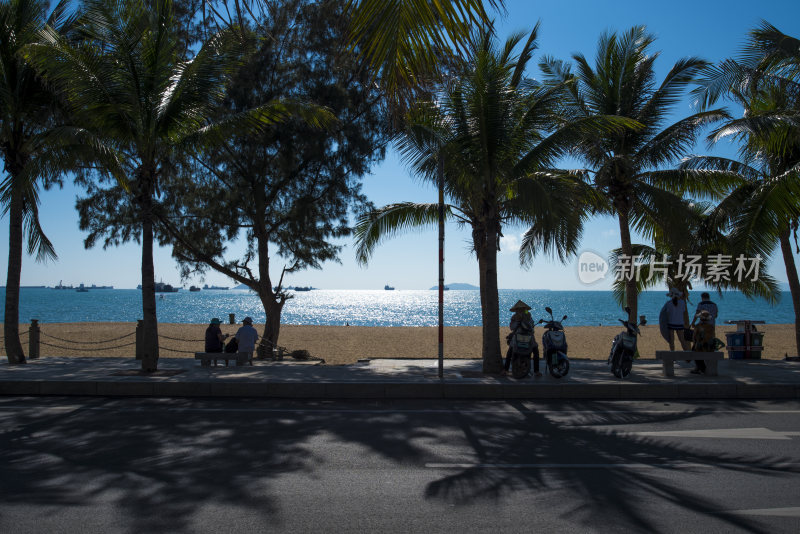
point(663, 465)
point(675, 465)
point(793, 511)
point(721, 433)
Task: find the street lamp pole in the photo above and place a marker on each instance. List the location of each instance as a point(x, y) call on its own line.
point(441, 264)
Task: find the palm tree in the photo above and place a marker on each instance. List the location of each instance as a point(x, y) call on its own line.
point(630, 165)
point(766, 83)
point(138, 102)
point(27, 111)
point(488, 130)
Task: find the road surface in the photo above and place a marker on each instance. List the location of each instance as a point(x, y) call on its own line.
point(191, 465)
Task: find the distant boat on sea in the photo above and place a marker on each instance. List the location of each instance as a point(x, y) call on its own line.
point(84, 288)
point(302, 288)
point(161, 287)
point(62, 286)
point(194, 288)
point(215, 287)
point(387, 287)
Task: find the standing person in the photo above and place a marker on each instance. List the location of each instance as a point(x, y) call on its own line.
point(214, 336)
point(674, 318)
point(522, 319)
point(247, 336)
point(703, 337)
point(706, 304)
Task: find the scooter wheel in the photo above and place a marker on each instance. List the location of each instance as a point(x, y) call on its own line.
point(560, 370)
point(520, 367)
point(625, 366)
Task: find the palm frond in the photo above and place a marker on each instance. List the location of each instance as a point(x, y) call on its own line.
point(673, 142)
point(375, 226)
point(404, 40)
point(698, 183)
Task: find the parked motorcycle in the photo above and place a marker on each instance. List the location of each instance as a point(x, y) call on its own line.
point(554, 345)
point(623, 348)
point(521, 344)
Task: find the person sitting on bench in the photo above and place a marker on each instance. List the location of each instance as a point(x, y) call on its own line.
point(214, 336)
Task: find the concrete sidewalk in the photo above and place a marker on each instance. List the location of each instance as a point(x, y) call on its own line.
point(384, 379)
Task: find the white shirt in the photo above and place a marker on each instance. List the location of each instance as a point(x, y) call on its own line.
point(675, 313)
point(247, 337)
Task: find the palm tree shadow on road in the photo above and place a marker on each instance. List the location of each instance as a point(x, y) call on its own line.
point(606, 495)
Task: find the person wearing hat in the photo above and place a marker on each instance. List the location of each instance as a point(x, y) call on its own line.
point(703, 338)
point(247, 336)
point(674, 318)
point(522, 318)
point(214, 336)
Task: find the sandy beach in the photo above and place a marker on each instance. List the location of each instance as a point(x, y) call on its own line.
point(339, 345)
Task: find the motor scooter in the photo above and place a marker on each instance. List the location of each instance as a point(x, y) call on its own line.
point(623, 348)
point(554, 344)
point(521, 344)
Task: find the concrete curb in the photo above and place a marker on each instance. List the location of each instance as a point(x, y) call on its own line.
point(397, 390)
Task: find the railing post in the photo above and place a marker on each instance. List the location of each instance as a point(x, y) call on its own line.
point(232, 318)
point(33, 339)
point(280, 354)
point(261, 352)
point(139, 340)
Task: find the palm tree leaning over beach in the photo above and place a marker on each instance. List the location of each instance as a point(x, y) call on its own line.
point(138, 101)
point(766, 82)
point(487, 128)
point(629, 166)
point(27, 114)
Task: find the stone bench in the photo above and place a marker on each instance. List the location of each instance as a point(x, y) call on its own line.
point(239, 357)
point(668, 358)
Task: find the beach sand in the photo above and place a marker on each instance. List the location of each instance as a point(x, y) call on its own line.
point(339, 345)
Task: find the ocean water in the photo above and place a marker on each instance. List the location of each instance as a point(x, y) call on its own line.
point(368, 307)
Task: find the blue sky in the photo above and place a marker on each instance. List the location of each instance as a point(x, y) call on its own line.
point(709, 29)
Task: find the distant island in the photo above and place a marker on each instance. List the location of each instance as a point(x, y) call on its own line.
point(457, 287)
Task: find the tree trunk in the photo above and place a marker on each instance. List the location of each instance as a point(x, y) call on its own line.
point(486, 250)
point(11, 324)
point(272, 328)
point(794, 284)
point(631, 296)
point(150, 319)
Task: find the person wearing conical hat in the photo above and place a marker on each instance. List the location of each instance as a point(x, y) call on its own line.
point(522, 319)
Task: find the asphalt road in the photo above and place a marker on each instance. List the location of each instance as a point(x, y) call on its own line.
point(172, 465)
